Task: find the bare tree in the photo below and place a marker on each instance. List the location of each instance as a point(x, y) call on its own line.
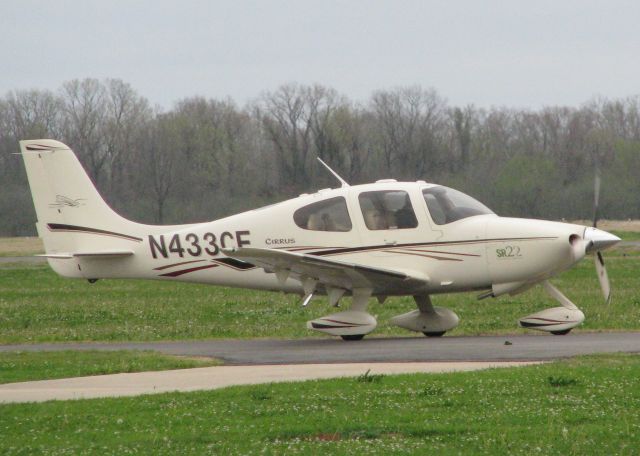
point(159, 164)
point(127, 114)
point(205, 158)
point(85, 110)
point(410, 130)
point(32, 114)
point(287, 118)
point(462, 123)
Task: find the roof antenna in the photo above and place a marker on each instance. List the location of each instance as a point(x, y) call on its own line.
point(343, 183)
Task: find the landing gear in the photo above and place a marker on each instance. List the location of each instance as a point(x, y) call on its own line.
point(428, 319)
point(557, 320)
point(351, 324)
point(355, 323)
point(434, 334)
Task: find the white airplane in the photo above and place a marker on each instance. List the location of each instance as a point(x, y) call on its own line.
point(375, 240)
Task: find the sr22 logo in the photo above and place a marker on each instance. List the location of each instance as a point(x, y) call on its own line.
point(509, 251)
point(194, 246)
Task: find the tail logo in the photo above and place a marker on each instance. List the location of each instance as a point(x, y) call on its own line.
point(63, 201)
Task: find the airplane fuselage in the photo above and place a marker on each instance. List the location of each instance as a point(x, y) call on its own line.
point(472, 253)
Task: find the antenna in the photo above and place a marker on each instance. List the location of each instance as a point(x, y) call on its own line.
point(343, 183)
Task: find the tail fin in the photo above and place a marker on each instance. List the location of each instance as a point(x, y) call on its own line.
point(72, 216)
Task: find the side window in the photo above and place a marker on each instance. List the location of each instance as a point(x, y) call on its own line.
point(435, 209)
point(387, 210)
point(327, 215)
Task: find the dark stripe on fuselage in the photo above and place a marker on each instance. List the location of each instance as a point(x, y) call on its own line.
point(339, 251)
point(160, 268)
point(186, 271)
point(87, 230)
point(424, 255)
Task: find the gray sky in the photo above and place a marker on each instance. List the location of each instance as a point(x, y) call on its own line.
point(488, 53)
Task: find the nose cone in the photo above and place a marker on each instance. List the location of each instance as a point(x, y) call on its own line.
point(599, 240)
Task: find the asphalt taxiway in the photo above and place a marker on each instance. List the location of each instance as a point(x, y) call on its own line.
point(528, 347)
point(276, 360)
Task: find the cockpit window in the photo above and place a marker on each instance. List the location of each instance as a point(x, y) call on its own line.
point(447, 205)
point(327, 215)
point(387, 210)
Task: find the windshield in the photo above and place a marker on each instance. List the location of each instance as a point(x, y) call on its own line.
point(447, 205)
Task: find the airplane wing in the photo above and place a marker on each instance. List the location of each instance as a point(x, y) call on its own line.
point(331, 273)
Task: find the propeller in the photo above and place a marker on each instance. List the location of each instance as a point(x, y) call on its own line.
point(598, 240)
point(603, 277)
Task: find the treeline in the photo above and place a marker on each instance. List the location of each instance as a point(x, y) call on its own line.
point(206, 158)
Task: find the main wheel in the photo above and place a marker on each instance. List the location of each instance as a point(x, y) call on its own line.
point(434, 334)
point(564, 332)
point(353, 337)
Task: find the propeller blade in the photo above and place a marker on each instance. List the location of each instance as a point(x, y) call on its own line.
point(601, 270)
point(596, 196)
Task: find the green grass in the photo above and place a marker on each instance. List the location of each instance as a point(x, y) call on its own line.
point(627, 235)
point(38, 306)
point(23, 366)
point(586, 405)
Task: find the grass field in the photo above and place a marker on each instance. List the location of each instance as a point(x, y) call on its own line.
point(587, 405)
point(23, 366)
point(580, 406)
point(36, 306)
point(20, 246)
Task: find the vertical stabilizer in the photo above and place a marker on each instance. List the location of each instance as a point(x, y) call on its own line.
point(72, 216)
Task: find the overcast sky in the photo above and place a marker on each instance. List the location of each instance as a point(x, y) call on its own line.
point(487, 53)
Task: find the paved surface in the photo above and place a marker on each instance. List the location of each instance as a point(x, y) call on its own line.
point(207, 378)
point(405, 349)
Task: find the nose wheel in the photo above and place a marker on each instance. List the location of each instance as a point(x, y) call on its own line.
point(558, 321)
point(434, 334)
